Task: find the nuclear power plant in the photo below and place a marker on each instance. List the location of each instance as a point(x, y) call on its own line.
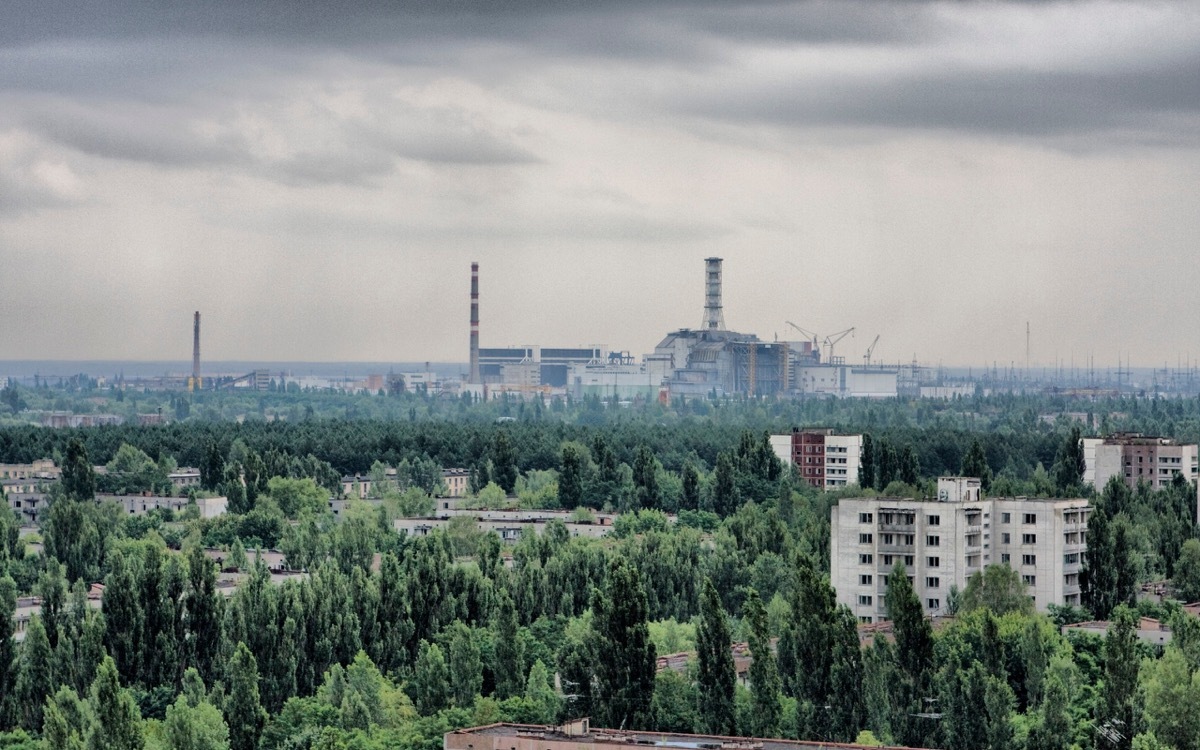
point(710, 360)
point(706, 361)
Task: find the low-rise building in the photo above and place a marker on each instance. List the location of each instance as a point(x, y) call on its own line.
point(43, 468)
point(30, 505)
point(210, 507)
point(184, 477)
point(941, 543)
point(509, 524)
point(580, 735)
point(1149, 630)
point(456, 481)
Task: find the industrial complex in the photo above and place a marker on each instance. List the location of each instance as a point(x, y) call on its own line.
point(710, 360)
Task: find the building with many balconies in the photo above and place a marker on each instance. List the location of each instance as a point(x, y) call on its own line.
point(942, 542)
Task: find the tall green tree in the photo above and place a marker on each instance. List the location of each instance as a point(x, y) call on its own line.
point(724, 488)
point(466, 665)
point(117, 723)
point(202, 613)
point(195, 727)
point(997, 588)
point(540, 695)
point(35, 678)
point(626, 667)
point(67, 721)
point(1053, 729)
point(1172, 694)
point(764, 674)
point(690, 499)
point(570, 478)
point(430, 684)
point(504, 462)
point(645, 479)
point(243, 712)
point(1099, 566)
point(1069, 462)
point(975, 464)
point(866, 463)
point(73, 535)
point(78, 480)
point(1115, 712)
point(509, 649)
point(123, 617)
point(880, 675)
point(1187, 572)
point(8, 677)
point(717, 677)
point(1126, 573)
point(846, 707)
point(914, 649)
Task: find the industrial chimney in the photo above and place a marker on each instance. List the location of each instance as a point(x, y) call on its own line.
point(475, 378)
point(196, 351)
point(714, 319)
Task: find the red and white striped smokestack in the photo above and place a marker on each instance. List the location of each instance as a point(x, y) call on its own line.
point(475, 378)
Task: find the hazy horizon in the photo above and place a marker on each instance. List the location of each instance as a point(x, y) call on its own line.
point(317, 179)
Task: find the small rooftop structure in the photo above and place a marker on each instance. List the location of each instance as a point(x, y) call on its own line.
point(1149, 630)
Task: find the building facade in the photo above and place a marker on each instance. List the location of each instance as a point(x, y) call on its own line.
point(941, 543)
point(1138, 458)
point(43, 468)
point(821, 458)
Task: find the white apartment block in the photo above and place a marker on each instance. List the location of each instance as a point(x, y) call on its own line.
point(821, 458)
point(942, 542)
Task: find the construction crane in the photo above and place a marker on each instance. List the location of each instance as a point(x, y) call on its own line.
point(811, 337)
point(870, 351)
point(831, 340)
point(807, 333)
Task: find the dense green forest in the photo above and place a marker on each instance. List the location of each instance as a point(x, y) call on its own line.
point(389, 641)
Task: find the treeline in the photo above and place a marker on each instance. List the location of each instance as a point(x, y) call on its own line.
point(352, 447)
point(393, 651)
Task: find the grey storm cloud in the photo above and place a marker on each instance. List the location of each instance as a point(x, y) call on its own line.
point(183, 47)
point(353, 148)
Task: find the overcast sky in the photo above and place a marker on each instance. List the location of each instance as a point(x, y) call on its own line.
point(316, 180)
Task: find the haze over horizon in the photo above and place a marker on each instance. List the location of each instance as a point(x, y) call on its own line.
point(316, 180)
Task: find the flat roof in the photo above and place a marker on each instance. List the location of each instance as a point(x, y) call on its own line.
point(654, 739)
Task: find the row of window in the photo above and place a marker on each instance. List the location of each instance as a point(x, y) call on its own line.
point(972, 519)
point(972, 540)
point(1025, 538)
point(867, 558)
point(867, 600)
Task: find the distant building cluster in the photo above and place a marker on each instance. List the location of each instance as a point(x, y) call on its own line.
point(26, 489)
